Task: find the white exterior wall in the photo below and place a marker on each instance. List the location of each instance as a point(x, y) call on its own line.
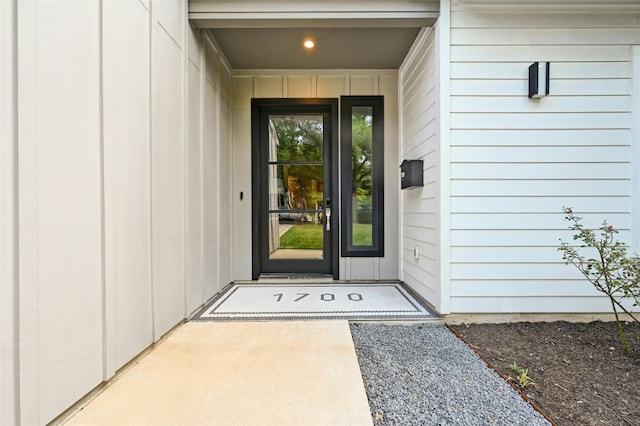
point(60, 197)
point(515, 162)
point(167, 165)
point(224, 178)
point(112, 127)
point(420, 138)
point(311, 84)
point(127, 179)
point(194, 248)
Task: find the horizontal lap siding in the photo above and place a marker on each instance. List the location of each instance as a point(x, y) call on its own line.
point(420, 140)
point(515, 162)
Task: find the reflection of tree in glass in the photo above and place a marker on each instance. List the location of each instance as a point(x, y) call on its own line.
point(300, 139)
point(361, 157)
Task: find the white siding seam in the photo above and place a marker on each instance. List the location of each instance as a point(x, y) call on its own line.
point(635, 153)
point(184, 64)
point(443, 58)
point(9, 219)
point(430, 275)
point(194, 64)
point(203, 81)
point(223, 61)
point(218, 141)
point(225, 69)
point(106, 370)
point(15, 214)
point(168, 33)
point(401, 114)
point(519, 21)
point(197, 64)
point(412, 280)
point(108, 296)
point(15, 280)
point(152, 277)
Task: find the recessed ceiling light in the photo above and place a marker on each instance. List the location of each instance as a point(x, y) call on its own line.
point(309, 44)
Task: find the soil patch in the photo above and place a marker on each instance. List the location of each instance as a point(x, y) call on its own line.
point(582, 374)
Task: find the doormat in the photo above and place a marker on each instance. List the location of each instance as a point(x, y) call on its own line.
point(316, 301)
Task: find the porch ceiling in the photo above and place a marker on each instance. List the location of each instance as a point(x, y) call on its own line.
point(349, 34)
point(336, 48)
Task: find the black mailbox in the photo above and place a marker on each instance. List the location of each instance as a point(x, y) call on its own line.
point(411, 174)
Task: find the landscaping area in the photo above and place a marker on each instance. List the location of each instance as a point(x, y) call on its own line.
point(576, 373)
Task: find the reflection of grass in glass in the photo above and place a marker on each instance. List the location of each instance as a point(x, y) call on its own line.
point(362, 234)
point(308, 237)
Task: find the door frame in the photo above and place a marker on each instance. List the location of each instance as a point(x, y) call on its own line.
point(258, 171)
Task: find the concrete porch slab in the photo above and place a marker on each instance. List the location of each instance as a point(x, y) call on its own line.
point(240, 373)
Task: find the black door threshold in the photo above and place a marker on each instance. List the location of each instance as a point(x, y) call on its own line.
point(283, 276)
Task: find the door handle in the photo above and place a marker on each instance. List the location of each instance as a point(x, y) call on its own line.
point(327, 213)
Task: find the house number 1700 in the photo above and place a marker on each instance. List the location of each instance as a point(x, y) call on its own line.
point(325, 297)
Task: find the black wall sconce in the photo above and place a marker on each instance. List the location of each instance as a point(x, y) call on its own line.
point(538, 80)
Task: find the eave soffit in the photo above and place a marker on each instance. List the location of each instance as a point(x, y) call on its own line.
point(313, 13)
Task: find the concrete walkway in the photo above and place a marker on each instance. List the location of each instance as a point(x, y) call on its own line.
point(239, 373)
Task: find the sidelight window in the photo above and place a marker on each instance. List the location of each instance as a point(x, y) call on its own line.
point(362, 151)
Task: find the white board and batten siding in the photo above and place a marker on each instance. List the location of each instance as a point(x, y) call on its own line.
point(208, 265)
point(112, 191)
point(315, 84)
point(60, 324)
point(515, 162)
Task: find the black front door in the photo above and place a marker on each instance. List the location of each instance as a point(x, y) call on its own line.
point(294, 186)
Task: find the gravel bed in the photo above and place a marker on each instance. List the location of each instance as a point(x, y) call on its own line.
point(422, 374)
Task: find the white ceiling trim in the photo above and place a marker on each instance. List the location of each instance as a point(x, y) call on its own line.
point(549, 5)
point(313, 13)
point(305, 6)
point(314, 20)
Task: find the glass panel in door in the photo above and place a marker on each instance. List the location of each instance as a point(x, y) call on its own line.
point(296, 187)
